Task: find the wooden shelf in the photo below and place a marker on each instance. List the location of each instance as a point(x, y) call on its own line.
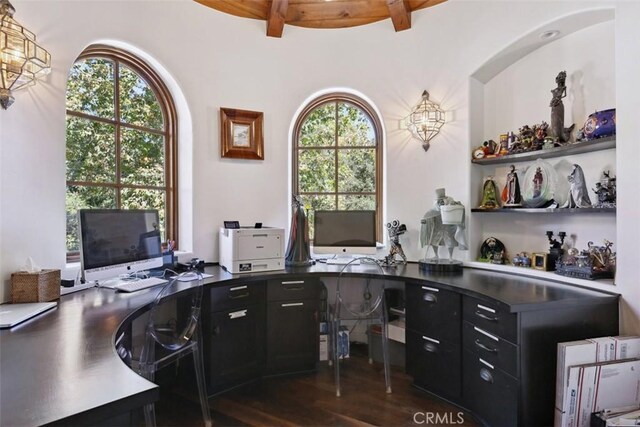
point(575, 148)
point(558, 211)
point(601, 284)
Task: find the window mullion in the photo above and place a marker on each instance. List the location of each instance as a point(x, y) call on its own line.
point(335, 144)
point(118, 133)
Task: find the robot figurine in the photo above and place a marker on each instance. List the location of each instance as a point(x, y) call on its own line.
point(395, 230)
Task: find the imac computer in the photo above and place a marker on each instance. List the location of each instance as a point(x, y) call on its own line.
point(344, 233)
point(117, 242)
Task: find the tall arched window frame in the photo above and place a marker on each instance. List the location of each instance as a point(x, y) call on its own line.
point(337, 156)
point(121, 140)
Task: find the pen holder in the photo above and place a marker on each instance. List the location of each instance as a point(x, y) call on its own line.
point(42, 286)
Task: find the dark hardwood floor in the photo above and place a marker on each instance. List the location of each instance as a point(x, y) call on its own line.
point(310, 400)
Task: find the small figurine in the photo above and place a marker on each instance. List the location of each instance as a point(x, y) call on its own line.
point(578, 193)
point(555, 249)
point(489, 194)
point(539, 135)
point(511, 196)
point(538, 179)
point(492, 250)
point(558, 130)
point(395, 230)
point(596, 262)
point(522, 260)
point(606, 191)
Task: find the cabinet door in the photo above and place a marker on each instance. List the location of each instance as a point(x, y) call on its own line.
point(292, 334)
point(235, 345)
point(434, 364)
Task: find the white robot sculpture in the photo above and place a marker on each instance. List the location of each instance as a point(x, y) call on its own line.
point(443, 225)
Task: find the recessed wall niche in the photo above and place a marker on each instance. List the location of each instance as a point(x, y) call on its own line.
point(513, 89)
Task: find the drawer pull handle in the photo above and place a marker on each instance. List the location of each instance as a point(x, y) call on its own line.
point(238, 288)
point(293, 304)
point(429, 297)
point(237, 314)
point(292, 287)
point(294, 282)
point(431, 339)
point(485, 317)
point(486, 375)
point(485, 348)
point(426, 288)
point(486, 334)
point(431, 347)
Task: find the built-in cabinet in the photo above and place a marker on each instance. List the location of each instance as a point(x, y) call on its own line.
point(292, 325)
point(234, 334)
point(433, 338)
point(487, 357)
point(259, 328)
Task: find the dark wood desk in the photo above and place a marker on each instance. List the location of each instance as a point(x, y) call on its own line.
point(61, 367)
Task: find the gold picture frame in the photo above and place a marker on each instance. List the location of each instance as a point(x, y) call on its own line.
point(241, 134)
point(539, 261)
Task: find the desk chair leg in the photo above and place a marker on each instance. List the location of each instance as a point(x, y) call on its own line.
point(149, 415)
point(202, 388)
point(336, 357)
point(385, 350)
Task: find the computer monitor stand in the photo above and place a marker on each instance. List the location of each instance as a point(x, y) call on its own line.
point(343, 259)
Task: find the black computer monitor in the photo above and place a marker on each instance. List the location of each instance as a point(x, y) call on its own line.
point(344, 232)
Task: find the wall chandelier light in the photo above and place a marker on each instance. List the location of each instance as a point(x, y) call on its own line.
point(425, 120)
point(22, 60)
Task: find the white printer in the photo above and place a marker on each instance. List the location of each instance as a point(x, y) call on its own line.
point(249, 249)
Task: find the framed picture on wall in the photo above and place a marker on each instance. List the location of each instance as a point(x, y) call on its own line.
point(241, 134)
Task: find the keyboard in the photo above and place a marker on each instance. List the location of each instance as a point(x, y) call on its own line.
point(138, 285)
point(342, 261)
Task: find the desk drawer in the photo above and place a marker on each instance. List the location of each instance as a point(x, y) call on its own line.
point(236, 296)
point(491, 316)
point(489, 392)
point(435, 365)
point(491, 348)
point(433, 311)
point(293, 289)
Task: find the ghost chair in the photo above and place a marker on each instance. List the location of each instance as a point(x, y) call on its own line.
point(172, 332)
point(359, 299)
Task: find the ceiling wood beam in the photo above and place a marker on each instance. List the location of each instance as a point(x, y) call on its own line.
point(276, 18)
point(400, 14)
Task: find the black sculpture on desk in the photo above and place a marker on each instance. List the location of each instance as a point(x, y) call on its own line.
point(558, 130)
point(395, 230)
point(298, 250)
point(555, 251)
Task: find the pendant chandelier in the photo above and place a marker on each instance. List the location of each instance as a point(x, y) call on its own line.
point(22, 60)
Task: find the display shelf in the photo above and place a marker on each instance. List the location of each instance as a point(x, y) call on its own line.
point(558, 211)
point(575, 148)
point(602, 284)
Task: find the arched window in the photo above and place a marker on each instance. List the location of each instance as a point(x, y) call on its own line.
point(337, 158)
point(121, 139)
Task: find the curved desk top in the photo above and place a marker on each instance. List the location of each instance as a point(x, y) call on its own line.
point(62, 367)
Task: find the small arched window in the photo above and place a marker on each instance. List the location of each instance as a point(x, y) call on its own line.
point(337, 156)
point(121, 139)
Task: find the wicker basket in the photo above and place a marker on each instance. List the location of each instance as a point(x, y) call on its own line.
point(35, 287)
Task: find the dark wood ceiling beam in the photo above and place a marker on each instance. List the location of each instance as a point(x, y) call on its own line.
point(400, 14)
point(276, 18)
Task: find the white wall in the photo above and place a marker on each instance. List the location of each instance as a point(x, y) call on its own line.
point(223, 61)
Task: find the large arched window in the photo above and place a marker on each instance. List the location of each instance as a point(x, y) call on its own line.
point(337, 158)
point(121, 139)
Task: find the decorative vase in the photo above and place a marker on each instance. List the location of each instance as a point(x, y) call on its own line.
point(298, 251)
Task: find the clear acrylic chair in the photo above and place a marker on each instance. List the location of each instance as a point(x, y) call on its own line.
point(360, 299)
point(173, 331)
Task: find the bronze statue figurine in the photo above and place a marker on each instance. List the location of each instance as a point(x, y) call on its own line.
point(558, 130)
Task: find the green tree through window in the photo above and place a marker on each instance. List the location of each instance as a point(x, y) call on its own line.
point(121, 148)
point(338, 157)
